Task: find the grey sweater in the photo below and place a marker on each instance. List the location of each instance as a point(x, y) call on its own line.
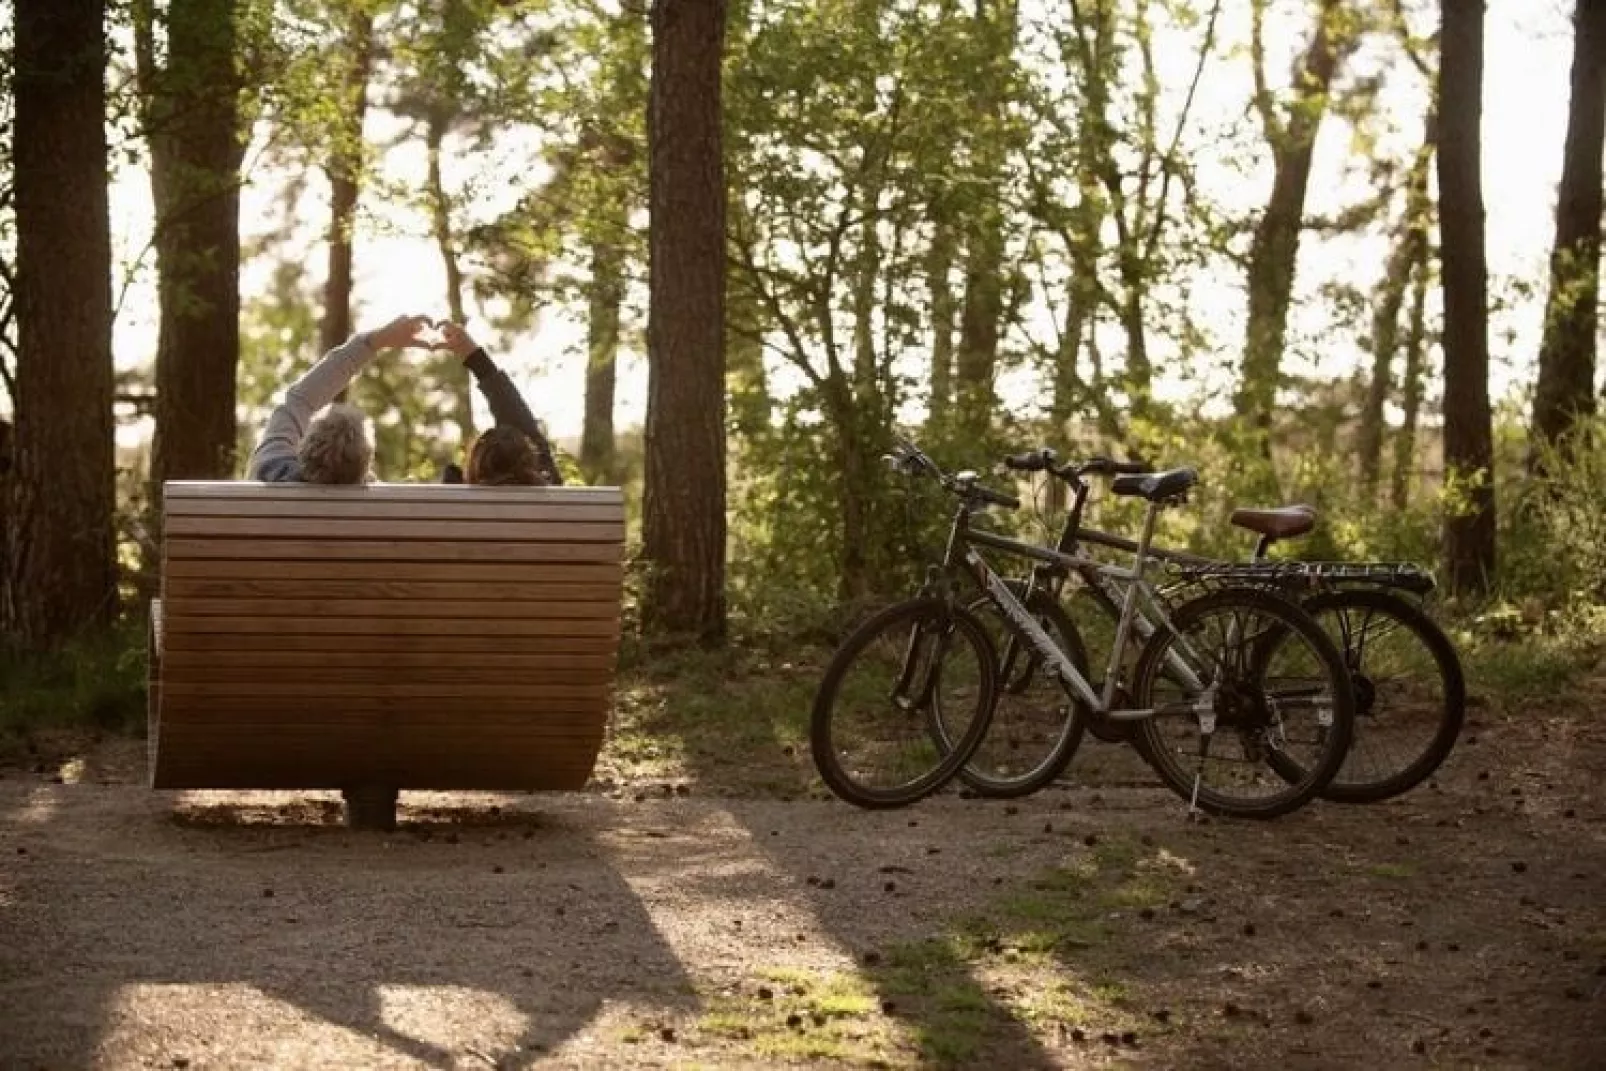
point(274, 460)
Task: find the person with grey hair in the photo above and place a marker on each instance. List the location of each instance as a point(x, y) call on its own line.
point(334, 448)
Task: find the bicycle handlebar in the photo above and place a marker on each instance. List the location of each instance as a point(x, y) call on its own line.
point(909, 458)
point(1043, 460)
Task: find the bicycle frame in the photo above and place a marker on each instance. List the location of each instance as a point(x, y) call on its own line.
point(961, 555)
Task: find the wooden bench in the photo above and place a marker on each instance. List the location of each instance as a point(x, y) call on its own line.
point(383, 637)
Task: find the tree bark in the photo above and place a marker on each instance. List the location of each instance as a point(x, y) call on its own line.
point(194, 130)
point(60, 553)
point(1411, 384)
point(1274, 251)
point(683, 526)
point(607, 295)
point(982, 306)
point(1566, 388)
point(451, 371)
point(345, 170)
point(1410, 248)
point(1469, 531)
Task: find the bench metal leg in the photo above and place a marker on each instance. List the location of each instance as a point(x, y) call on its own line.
point(371, 807)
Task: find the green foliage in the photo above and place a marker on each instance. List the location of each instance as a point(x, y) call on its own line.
point(94, 684)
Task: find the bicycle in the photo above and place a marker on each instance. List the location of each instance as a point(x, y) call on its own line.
point(1409, 697)
point(1220, 650)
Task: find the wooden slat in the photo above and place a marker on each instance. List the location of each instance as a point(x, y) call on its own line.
point(174, 490)
point(477, 509)
point(529, 696)
point(175, 644)
point(514, 681)
point(394, 530)
point(484, 721)
point(389, 550)
point(544, 610)
point(179, 624)
point(181, 588)
point(309, 665)
point(477, 571)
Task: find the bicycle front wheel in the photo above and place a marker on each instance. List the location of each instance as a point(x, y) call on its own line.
point(1035, 726)
point(900, 675)
point(1244, 686)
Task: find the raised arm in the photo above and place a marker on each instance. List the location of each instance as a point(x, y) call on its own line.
point(287, 424)
point(507, 405)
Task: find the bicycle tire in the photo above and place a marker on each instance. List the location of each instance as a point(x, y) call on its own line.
point(1348, 785)
point(1013, 677)
point(1293, 621)
point(911, 615)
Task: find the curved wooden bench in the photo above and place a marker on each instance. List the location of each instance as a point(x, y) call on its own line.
point(384, 637)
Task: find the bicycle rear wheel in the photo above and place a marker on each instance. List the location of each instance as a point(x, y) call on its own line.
point(1035, 727)
point(902, 673)
point(1267, 682)
point(1410, 695)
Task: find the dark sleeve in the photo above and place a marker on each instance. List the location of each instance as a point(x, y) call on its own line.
point(507, 407)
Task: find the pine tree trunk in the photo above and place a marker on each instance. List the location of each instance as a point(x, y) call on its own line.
point(607, 294)
point(982, 307)
point(1410, 248)
point(196, 150)
point(1469, 533)
point(977, 355)
point(1274, 251)
point(345, 170)
point(1411, 383)
point(60, 558)
point(683, 527)
point(1566, 389)
point(451, 371)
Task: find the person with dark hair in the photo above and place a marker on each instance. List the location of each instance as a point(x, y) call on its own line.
point(516, 450)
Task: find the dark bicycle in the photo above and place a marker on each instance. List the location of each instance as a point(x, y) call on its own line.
point(1409, 688)
point(1248, 677)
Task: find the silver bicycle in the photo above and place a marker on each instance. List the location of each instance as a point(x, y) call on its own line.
point(1248, 676)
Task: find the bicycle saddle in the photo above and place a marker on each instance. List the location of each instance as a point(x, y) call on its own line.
point(1279, 522)
point(1155, 486)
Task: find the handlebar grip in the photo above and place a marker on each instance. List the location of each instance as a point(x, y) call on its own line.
point(1031, 461)
point(1129, 468)
point(996, 498)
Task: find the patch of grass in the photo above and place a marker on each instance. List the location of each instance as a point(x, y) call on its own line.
point(1392, 870)
point(97, 683)
point(1510, 672)
point(728, 717)
point(804, 1015)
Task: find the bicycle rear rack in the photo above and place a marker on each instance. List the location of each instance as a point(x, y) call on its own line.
point(1404, 576)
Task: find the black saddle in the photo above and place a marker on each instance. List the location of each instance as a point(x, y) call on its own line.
point(1155, 486)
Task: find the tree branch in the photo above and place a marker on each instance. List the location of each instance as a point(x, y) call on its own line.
point(1257, 55)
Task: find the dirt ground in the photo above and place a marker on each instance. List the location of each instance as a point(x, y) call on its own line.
point(669, 925)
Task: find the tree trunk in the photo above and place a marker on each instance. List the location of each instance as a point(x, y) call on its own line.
point(196, 149)
point(683, 525)
point(1469, 531)
point(983, 301)
point(345, 170)
point(1410, 249)
point(1274, 251)
point(60, 558)
point(607, 295)
point(451, 371)
point(939, 264)
point(1566, 389)
point(1411, 384)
